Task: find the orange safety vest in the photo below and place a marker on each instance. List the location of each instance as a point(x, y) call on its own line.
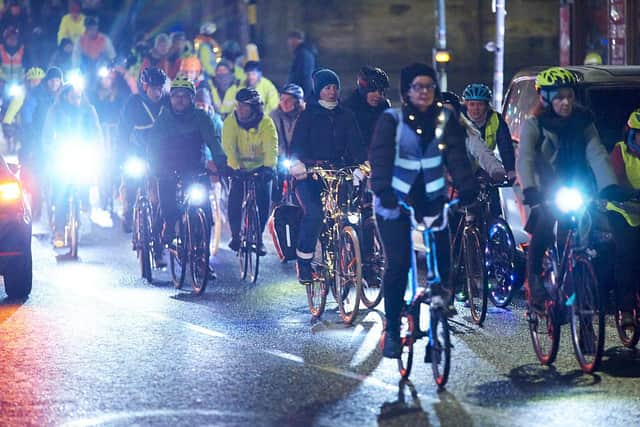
point(12, 64)
point(93, 48)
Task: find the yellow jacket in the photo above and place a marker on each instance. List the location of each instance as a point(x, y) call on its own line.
point(269, 94)
point(224, 106)
point(250, 149)
point(70, 28)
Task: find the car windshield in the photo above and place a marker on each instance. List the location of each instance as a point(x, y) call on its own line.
point(611, 107)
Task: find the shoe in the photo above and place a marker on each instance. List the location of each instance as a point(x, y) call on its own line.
point(234, 244)
point(262, 251)
point(392, 346)
point(58, 240)
point(305, 272)
point(626, 319)
point(537, 296)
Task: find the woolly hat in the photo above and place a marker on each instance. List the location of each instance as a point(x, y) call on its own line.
point(324, 77)
point(410, 72)
point(53, 73)
point(252, 66)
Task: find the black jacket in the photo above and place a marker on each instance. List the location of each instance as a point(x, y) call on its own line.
point(382, 153)
point(135, 115)
point(328, 135)
point(304, 62)
point(366, 115)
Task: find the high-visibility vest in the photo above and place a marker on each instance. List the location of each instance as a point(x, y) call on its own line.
point(491, 131)
point(632, 170)
point(12, 64)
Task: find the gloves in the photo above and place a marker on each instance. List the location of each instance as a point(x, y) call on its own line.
point(358, 177)
point(388, 199)
point(512, 177)
point(298, 170)
point(532, 196)
point(616, 193)
point(266, 173)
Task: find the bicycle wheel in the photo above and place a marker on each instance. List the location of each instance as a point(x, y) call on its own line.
point(217, 221)
point(476, 277)
point(500, 254)
point(587, 315)
point(544, 328)
point(348, 275)
point(178, 253)
point(318, 288)
point(630, 335)
point(245, 248)
point(254, 243)
point(372, 264)
point(198, 244)
point(439, 346)
point(407, 339)
point(142, 230)
point(73, 226)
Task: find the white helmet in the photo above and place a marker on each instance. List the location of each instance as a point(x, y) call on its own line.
point(208, 28)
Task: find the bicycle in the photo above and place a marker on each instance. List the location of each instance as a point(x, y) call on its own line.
point(250, 232)
point(337, 266)
point(438, 349)
point(145, 239)
point(189, 250)
point(572, 287)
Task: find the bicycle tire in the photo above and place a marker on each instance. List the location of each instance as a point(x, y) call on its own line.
point(476, 276)
point(348, 274)
point(142, 230)
point(178, 254)
point(629, 336)
point(217, 224)
point(407, 340)
point(317, 290)
point(74, 226)
point(243, 255)
point(255, 238)
point(500, 254)
point(198, 239)
point(544, 328)
point(587, 308)
point(373, 268)
point(439, 346)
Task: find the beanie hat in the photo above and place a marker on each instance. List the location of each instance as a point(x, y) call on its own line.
point(324, 77)
point(225, 63)
point(410, 72)
point(53, 73)
point(252, 66)
point(203, 95)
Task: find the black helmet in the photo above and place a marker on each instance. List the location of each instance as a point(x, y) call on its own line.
point(372, 78)
point(248, 95)
point(153, 76)
point(293, 90)
point(451, 98)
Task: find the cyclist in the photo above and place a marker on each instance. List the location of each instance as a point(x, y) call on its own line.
point(224, 86)
point(136, 120)
point(267, 90)
point(326, 133)
point(368, 100)
point(410, 147)
point(178, 143)
point(250, 142)
point(71, 112)
point(207, 48)
point(493, 129)
point(191, 68)
point(625, 159)
point(22, 106)
point(559, 144)
point(285, 118)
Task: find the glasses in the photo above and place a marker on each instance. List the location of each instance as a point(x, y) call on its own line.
point(424, 88)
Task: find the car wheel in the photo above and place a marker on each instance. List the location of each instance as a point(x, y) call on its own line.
point(19, 277)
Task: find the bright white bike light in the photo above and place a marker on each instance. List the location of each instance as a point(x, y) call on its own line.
point(16, 90)
point(569, 200)
point(77, 80)
point(286, 163)
point(197, 194)
point(103, 72)
point(135, 167)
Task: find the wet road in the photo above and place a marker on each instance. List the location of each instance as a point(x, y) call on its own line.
point(96, 345)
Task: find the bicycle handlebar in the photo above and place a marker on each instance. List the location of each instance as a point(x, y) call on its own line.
point(445, 215)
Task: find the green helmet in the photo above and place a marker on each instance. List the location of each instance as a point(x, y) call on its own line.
point(555, 78)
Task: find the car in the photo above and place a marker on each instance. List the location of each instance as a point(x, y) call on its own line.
point(15, 233)
point(610, 92)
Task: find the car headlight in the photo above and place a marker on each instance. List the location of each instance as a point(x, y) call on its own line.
point(197, 194)
point(569, 200)
point(135, 167)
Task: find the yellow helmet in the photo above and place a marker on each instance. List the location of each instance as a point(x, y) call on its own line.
point(35, 73)
point(593, 58)
point(555, 77)
point(634, 120)
point(183, 83)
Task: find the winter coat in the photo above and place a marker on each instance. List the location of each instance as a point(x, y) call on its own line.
point(304, 62)
point(366, 115)
point(285, 125)
point(250, 149)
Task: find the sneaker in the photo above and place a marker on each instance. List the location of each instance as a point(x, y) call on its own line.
point(392, 346)
point(262, 251)
point(305, 272)
point(234, 244)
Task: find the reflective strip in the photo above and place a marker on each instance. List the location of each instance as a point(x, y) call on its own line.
point(143, 127)
point(407, 164)
point(436, 185)
point(431, 162)
point(400, 185)
point(304, 255)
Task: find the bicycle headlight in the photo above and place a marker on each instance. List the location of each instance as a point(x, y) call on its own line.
point(78, 161)
point(77, 80)
point(135, 167)
point(569, 200)
point(103, 72)
point(197, 194)
point(16, 90)
point(353, 218)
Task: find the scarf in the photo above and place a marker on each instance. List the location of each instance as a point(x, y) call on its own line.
point(252, 122)
point(328, 105)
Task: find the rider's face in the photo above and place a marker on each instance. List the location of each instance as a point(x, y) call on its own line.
point(374, 98)
point(154, 93)
point(252, 78)
point(477, 110)
point(329, 93)
point(422, 92)
point(287, 103)
point(54, 84)
point(181, 100)
point(243, 111)
point(74, 97)
point(562, 103)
